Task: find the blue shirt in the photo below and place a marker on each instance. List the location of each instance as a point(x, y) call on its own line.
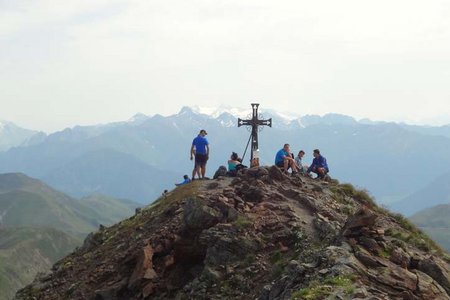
point(319, 162)
point(200, 143)
point(280, 156)
point(186, 181)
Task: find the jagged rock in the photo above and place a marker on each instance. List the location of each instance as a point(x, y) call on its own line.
point(400, 257)
point(221, 171)
point(428, 288)
point(370, 261)
point(91, 241)
point(148, 289)
point(211, 275)
point(396, 278)
point(437, 270)
point(111, 292)
point(212, 185)
point(362, 218)
point(224, 246)
point(370, 244)
point(253, 194)
point(261, 235)
point(143, 269)
point(198, 216)
point(257, 172)
point(276, 173)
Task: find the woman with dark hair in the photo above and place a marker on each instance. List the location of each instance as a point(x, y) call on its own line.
point(233, 162)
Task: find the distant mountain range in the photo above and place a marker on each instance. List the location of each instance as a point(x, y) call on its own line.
point(139, 158)
point(39, 225)
point(436, 192)
point(12, 135)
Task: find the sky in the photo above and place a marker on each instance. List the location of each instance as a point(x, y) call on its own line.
point(64, 63)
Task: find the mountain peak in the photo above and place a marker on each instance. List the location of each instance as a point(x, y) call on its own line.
point(262, 235)
point(138, 118)
point(13, 181)
point(186, 110)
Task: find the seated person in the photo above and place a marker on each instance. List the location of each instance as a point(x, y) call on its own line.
point(319, 165)
point(284, 160)
point(186, 180)
point(298, 160)
point(233, 162)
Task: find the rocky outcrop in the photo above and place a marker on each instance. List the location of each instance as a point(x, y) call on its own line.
point(261, 235)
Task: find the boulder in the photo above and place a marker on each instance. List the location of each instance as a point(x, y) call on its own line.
point(198, 216)
point(362, 218)
point(143, 269)
point(437, 270)
point(276, 173)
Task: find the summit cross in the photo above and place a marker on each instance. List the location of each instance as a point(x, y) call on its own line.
point(254, 122)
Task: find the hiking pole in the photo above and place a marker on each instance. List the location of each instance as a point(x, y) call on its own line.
point(246, 147)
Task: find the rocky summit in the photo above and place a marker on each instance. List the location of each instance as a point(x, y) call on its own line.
point(261, 235)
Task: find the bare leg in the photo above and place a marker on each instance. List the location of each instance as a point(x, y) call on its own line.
point(203, 170)
point(286, 164)
point(294, 166)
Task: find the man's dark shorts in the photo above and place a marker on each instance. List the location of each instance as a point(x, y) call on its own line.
point(200, 160)
point(280, 164)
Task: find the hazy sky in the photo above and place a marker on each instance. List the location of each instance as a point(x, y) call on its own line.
point(84, 62)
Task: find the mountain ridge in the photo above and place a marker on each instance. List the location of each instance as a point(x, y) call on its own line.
point(262, 235)
point(157, 142)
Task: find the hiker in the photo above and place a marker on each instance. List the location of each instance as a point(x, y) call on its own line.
point(298, 161)
point(284, 160)
point(319, 165)
point(186, 180)
point(200, 150)
point(233, 162)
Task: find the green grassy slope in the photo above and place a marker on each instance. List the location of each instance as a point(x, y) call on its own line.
point(29, 202)
point(26, 251)
point(27, 206)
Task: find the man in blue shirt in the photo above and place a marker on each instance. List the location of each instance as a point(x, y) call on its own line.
point(200, 150)
point(284, 159)
point(186, 181)
point(319, 165)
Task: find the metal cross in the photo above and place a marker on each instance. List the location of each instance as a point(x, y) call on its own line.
point(254, 122)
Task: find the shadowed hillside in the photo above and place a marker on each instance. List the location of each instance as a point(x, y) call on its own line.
point(436, 222)
point(39, 225)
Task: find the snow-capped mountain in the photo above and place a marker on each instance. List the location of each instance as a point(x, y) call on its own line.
point(157, 144)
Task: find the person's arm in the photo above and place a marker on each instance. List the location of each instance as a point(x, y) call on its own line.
point(207, 151)
point(192, 152)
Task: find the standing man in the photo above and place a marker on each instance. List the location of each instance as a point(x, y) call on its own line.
point(200, 149)
point(284, 159)
point(319, 165)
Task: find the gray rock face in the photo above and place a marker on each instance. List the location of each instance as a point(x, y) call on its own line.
point(198, 216)
point(436, 269)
